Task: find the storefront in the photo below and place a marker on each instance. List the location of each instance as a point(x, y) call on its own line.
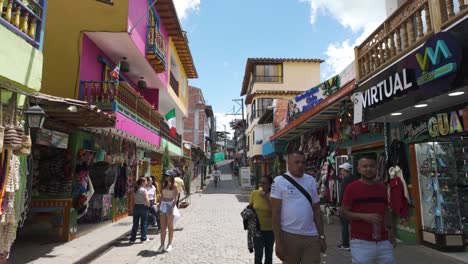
point(422, 101)
point(319, 121)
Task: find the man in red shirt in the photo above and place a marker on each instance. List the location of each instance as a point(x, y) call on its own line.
point(365, 204)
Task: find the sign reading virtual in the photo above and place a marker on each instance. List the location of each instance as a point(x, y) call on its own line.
point(394, 85)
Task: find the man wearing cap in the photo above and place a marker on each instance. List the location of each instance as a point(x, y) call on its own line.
point(346, 173)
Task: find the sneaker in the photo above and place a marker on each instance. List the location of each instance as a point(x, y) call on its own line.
point(131, 241)
point(160, 249)
point(344, 248)
point(169, 248)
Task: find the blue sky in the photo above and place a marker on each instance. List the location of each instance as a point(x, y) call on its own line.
point(224, 33)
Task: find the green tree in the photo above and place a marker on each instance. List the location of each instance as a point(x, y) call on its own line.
point(166, 159)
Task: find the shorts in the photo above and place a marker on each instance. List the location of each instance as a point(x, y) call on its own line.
point(166, 208)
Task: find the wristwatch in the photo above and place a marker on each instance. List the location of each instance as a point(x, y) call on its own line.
point(322, 237)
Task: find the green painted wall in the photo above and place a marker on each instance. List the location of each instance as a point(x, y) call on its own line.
point(20, 63)
point(173, 149)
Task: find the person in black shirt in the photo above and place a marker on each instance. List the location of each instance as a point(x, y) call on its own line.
point(346, 172)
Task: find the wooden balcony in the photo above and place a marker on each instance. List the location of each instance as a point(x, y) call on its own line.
point(156, 49)
point(412, 24)
point(165, 132)
point(24, 18)
point(121, 97)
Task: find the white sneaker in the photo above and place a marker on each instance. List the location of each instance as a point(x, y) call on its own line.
point(160, 249)
point(169, 248)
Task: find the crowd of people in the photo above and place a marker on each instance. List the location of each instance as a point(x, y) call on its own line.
point(147, 211)
point(285, 214)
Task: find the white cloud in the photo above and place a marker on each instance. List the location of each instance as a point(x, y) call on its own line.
point(183, 7)
point(361, 18)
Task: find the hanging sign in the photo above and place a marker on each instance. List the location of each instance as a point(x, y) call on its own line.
point(437, 125)
point(52, 138)
point(312, 97)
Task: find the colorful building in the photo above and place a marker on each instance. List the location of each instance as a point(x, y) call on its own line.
point(268, 81)
point(131, 59)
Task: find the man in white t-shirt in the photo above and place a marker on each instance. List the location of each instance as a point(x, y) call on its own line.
point(297, 224)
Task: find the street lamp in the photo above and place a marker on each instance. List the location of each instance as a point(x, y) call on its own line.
point(36, 116)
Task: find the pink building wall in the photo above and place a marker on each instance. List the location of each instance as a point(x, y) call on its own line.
point(130, 127)
point(138, 22)
point(90, 67)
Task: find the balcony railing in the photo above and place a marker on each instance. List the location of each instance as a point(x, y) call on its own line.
point(131, 103)
point(24, 17)
point(165, 131)
point(156, 49)
point(412, 24)
point(174, 84)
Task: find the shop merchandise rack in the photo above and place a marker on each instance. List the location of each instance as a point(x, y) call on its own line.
point(438, 177)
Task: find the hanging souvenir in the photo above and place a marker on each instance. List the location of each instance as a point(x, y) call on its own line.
point(2, 128)
point(26, 144)
point(13, 138)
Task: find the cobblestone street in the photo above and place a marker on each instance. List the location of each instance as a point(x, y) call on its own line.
point(210, 231)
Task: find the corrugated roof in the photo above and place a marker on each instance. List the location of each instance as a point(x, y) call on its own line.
point(251, 61)
point(168, 14)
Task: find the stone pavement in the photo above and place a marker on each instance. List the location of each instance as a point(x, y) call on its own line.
point(213, 233)
point(210, 231)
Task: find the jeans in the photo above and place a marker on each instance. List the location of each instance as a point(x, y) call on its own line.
point(372, 252)
point(344, 232)
point(266, 242)
point(153, 216)
point(140, 212)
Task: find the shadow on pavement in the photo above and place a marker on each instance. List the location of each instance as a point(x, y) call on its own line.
point(149, 253)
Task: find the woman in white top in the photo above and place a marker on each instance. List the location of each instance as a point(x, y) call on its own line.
point(169, 194)
point(140, 210)
point(152, 193)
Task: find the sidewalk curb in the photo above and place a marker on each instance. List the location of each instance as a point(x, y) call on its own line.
point(101, 250)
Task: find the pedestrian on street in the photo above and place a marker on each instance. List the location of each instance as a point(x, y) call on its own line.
point(261, 203)
point(297, 218)
point(216, 173)
point(140, 210)
point(169, 194)
point(151, 188)
point(180, 186)
point(346, 172)
point(365, 204)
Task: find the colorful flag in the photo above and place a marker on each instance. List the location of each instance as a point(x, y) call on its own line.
point(171, 122)
point(115, 73)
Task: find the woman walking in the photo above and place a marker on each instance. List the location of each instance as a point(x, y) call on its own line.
point(260, 201)
point(169, 194)
point(140, 210)
point(152, 190)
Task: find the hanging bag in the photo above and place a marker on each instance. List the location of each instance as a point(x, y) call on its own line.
point(13, 138)
point(2, 128)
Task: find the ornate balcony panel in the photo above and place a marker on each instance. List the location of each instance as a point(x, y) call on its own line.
point(412, 24)
point(24, 17)
point(122, 98)
point(165, 132)
point(156, 49)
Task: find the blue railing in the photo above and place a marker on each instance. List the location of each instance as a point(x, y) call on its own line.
point(25, 18)
point(156, 48)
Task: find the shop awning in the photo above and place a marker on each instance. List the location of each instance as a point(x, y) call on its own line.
point(315, 117)
point(73, 112)
point(269, 148)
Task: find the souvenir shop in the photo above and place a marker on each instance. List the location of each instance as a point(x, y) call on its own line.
point(37, 162)
point(319, 120)
point(423, 107)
